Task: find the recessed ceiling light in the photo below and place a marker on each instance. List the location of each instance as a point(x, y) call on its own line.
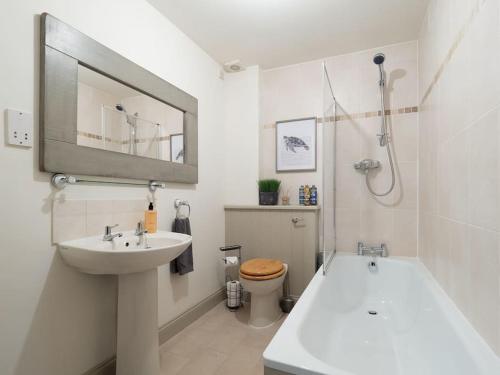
point(233, 66)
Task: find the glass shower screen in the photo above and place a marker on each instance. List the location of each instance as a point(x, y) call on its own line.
point(328, 228)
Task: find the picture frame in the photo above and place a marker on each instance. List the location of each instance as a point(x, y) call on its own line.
point(177, 148)
point(296, 145)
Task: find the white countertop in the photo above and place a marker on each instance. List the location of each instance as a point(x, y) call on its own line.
point(273, 208)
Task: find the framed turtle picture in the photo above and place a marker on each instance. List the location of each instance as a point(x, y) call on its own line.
point(296, 145)
point(177, 148)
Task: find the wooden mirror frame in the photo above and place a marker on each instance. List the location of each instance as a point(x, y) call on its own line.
point(63, 48)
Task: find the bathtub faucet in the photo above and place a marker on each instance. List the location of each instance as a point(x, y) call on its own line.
point(372, 250)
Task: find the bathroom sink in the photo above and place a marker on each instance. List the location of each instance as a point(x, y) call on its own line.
point(137, 350)
point(122, 255)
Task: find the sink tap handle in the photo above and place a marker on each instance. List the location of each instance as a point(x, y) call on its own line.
point(139, 230)
point(107, 233)
point(107, 229)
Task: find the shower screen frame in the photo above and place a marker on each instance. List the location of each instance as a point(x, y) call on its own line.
point(329, 145)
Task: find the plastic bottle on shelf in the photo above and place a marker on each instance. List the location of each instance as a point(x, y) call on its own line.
point(301, 195)
point(314, 195)
point(307, 195)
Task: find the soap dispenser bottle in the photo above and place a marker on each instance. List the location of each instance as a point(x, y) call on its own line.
point(151, 219)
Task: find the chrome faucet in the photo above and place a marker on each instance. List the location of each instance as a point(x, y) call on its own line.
point(372, 250)
point(108, 236)
point(141, 233)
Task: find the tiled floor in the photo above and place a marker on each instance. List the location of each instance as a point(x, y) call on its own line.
point(219, 343)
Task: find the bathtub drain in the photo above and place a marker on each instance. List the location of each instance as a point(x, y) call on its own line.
point(372, 312)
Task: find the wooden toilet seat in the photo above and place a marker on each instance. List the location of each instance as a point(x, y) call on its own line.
point(259, 269)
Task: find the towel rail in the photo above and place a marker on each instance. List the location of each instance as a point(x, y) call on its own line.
point(60, 180)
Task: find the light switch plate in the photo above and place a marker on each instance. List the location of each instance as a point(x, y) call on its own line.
point(19, 128)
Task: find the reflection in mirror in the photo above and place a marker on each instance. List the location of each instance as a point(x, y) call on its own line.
point(114, 117)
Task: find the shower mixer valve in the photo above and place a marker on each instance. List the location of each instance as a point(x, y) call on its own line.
point(366, 164)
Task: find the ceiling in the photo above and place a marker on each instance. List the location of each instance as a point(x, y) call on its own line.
point(274, 33)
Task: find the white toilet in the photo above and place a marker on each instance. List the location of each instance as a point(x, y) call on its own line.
point(263, 278)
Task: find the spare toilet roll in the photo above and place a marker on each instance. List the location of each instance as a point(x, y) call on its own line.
point(231, 261)
point(233, 293)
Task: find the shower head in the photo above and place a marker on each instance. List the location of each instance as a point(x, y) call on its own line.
point(120, 107)
point(131, 120)
point(379, 58)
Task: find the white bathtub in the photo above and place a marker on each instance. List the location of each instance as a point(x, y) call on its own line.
point(417, 329)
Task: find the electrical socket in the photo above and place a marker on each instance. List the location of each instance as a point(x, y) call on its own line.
point(19, 128)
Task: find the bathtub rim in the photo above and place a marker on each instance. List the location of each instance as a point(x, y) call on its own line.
point(295, 359)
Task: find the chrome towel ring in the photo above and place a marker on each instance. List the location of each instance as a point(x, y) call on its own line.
point(178, 205)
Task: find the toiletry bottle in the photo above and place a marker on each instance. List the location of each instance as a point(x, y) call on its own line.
point(314, 195)
point(307, 195)
point(151, 219)
point(301, 195)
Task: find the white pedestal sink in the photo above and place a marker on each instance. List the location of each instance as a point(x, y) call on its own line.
point(136, 267)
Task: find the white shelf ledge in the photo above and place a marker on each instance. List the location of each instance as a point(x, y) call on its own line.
point(271, 208)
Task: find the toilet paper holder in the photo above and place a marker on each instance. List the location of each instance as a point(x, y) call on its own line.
point(231, 248)
point(234, 296)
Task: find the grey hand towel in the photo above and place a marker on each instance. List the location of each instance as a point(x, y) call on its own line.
point(184, 262)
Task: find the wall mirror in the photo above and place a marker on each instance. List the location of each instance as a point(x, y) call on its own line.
point(112, 116)
point(103, 115)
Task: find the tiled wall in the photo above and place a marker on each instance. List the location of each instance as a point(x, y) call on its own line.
point(296, 91)
point(72, 219)
point(459, 192)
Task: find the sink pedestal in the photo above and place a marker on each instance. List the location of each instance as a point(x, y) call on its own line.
point(137, 349)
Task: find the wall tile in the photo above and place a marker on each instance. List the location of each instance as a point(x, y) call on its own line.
point(485, 295)
point(459, 193)
point(72, 219)
point(377, 227)
point(405, 233)
point(458, 177)
point(348, 228)
point(348, 186)
point(127, 213)
point(68, 220)
point(99, 214)
point(425, 240)
point(484, 56)
point(405, 136)
point(483, 184)
point(442, 252)
point(460, 260)
point(370, 146)
point(344, 73)
point(349, 141)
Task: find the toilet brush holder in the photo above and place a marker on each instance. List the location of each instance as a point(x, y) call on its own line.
point(286, 302)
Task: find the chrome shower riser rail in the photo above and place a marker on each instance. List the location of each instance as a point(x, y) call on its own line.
point(60, 180)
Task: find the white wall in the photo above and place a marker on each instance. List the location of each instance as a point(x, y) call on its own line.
point(296, 91)
point(459, 192)
point(241, 101)
point(54, 320)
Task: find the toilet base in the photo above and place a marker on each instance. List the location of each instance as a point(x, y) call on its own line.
point(264, 309)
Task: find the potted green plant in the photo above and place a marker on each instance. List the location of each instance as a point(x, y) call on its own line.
point(269, 192)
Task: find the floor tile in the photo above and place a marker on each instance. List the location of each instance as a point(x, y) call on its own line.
point(219, 343)
point(171, 363)
point(206, 362)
